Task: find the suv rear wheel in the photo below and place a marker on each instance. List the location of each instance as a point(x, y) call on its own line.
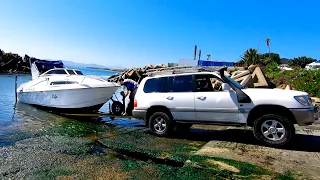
point(273, 130)
point(160, 124)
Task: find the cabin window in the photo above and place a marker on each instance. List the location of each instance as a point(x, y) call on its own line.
point(57, 71)
point(71, 72)
point(63, 82)
point(78, 72)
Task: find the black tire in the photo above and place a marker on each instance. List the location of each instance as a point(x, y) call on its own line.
point(117, 108)
point(280, 137)
point(163, 118)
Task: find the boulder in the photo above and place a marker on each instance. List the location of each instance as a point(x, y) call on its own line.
point(252, 67)
point(10, 62)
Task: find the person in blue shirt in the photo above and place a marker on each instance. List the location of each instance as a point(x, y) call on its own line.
point(132, 87)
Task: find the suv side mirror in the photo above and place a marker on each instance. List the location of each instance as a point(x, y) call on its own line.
point(226, 87)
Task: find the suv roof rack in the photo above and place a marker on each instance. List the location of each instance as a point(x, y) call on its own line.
point(181, 70)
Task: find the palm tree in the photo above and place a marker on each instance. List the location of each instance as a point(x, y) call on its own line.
point(208, 56)
point(199, 54)
point(195, 52)
point(250, 57)
point(268, 44)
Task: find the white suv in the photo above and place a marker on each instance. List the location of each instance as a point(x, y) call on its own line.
point(210, 98)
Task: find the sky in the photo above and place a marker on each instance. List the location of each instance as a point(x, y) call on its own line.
point(133, 33)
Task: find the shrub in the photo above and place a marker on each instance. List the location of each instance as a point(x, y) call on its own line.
point(300, 79)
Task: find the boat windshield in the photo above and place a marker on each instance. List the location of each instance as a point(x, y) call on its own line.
point(63, 71)
point(56, 71)
point(78, 72)
point(234, 82)
point(71, 72)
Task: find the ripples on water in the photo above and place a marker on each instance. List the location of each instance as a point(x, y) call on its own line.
point(17, 119)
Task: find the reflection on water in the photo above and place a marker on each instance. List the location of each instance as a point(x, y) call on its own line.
point(19, 121)
point(27, 121)
point(7, 99)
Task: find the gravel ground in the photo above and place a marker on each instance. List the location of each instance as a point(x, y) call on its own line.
point(123, 148)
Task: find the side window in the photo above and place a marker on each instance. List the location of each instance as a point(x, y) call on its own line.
point(79, 72)
point(182, 83)
point(155, 85)
point(71, 72)
point(60, 71)
point(208, 83)
point(62, 82)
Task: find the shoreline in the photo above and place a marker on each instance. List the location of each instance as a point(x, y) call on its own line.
point(108, 69)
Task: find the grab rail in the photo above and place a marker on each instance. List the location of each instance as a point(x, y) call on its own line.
point(82, 80)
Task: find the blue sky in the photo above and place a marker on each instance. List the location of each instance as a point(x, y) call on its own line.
point(136, 32)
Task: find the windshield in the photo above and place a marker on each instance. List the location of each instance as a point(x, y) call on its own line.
point(234, 82)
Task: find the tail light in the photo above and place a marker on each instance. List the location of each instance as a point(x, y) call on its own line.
point(135, 104)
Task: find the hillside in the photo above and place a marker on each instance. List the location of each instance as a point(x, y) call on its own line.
point(13, 63)
point(74, 64)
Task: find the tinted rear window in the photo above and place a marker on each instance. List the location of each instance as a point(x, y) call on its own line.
point(155, 85)
point(181, 84)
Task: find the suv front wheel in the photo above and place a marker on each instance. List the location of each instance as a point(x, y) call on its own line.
point(273, 130)
point(160, 124)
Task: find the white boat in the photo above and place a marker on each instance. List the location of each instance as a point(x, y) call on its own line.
point(62, 89)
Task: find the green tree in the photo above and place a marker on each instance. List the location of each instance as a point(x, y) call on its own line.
point(301, 61)
point(199, 54)
point(208, 56)
point(270, 57)
point(250, 57)
point(268, 44)
point(272, 66)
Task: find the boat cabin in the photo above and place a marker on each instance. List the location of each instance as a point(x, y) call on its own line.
point(62, 71)
point(47, 68)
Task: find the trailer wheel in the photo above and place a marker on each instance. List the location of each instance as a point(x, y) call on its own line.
point(117, 108)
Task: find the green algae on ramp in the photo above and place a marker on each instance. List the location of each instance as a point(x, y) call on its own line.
point(236, 169)
point(232, 166)
point(145, 146)
point(76, 128)
point(143, 140)
point(53, 172)
point(150, 170)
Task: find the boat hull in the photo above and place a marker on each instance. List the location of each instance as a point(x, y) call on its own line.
point(84, 110)
point(71, 100)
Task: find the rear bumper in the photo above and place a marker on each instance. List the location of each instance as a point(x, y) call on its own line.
point(305, 117)
point(139, 113)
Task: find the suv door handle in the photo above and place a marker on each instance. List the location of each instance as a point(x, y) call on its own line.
point(169, 97)
point(201, 97)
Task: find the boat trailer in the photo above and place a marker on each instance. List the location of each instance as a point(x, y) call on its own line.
point(116, 108)
point(112, 116)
